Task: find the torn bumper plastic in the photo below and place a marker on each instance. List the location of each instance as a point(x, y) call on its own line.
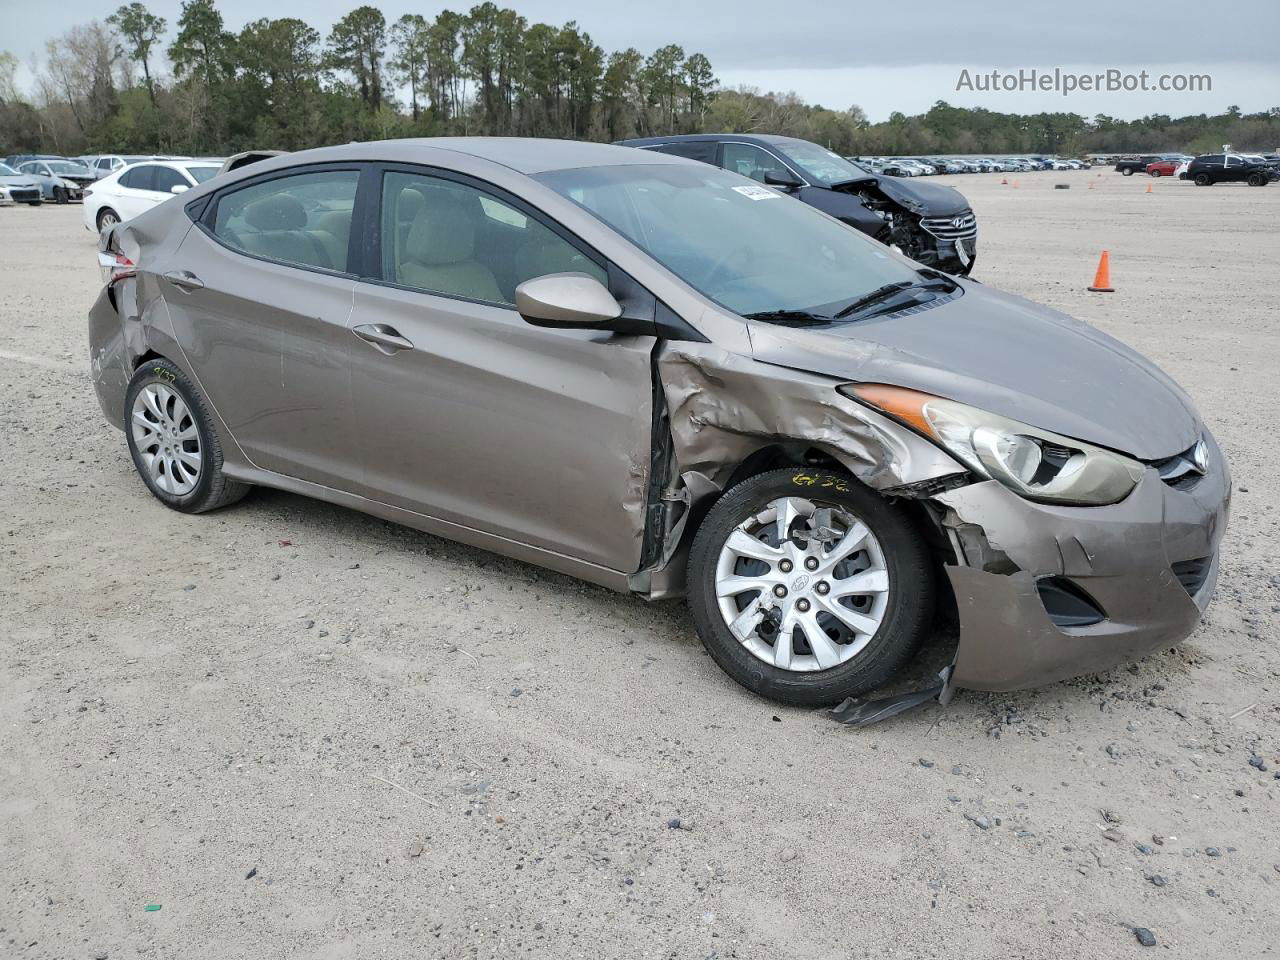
point(1149, 564)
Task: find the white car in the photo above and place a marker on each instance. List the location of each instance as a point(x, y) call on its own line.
point(137, 188)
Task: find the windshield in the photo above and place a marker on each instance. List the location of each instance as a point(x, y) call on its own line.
point(819, 163)
point(66, 166)
point(749, 248)
point(7, 171)
point(201, 174)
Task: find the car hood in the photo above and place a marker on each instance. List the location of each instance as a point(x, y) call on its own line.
point(20, 180)
point(1009, 356)
point(922, 199)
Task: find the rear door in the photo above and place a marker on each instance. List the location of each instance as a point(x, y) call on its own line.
point(470, 414)
point(136, 193)
point(260, 294)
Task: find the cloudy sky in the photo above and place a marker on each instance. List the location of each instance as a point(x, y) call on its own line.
point(881, 56)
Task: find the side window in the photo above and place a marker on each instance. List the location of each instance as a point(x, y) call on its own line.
point(1213, 158)
point(704, 150)
point(139, 178)
point(444, 237)
point(303, 219)
point(166, 178)
point(1233, 161)
point(751, 161)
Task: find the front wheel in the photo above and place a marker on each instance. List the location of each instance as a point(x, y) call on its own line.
point(1155, 173)
point(1257, 179)
point(1127, 172)
point(807, 587)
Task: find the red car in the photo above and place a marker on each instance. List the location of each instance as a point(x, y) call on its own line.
point(1163, 168)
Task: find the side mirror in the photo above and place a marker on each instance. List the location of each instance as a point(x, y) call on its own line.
point(179, 188)
point(784, 180)
point(567, 301)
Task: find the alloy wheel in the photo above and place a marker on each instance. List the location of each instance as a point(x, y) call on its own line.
point(802, 585)
point(166, 438)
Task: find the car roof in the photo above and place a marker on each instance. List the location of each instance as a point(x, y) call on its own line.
point(526, 155)
point(759, 138)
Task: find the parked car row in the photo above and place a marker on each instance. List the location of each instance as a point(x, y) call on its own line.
point(133, 189)
point(114, 187)
point(922, 167)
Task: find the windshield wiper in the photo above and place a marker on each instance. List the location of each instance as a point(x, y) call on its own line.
point(933, 280)
point(875, 296)
point(789, 318)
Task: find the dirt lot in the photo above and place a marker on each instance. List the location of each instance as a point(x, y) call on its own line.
point(428, 751)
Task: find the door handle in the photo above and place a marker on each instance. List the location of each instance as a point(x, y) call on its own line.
point(184, 279)
point(383, 337)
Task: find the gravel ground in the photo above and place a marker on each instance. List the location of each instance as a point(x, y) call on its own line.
point(302, 732)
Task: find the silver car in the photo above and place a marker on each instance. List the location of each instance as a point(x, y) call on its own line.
point(664, 378)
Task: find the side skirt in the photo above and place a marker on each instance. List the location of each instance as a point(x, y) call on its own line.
point(579, 569)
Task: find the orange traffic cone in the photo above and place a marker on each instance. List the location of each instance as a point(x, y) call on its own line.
point(1102, 279)
point(1004, 181)
point(1149, 187)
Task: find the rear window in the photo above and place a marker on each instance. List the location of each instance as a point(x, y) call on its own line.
point(201, 174)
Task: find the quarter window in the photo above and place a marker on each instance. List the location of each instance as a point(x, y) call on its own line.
point(751, 161)
point(445, 237)
point(303, 219)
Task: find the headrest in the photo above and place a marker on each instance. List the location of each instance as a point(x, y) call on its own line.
point(277, 212)
point(408, 203)
point(442, 232)
point(336, 222)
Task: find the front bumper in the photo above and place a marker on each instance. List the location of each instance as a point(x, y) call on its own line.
point(1122, 556)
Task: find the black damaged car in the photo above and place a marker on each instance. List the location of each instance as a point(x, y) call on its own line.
point(931, 224)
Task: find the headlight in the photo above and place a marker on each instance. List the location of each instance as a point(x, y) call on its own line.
point(1033, 463)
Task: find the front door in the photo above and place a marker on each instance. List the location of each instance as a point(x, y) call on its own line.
point(471, 415)
point(260, 297)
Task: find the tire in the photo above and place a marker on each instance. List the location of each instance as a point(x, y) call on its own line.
point(1155, 173)
point(900, 612)
point(107, 218)
point(179, 430)
point(1257, 180)
point(1128, 172)
point(1203, 180)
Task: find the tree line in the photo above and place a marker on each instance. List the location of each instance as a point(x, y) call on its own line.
point(133, 84)
point(278, 83)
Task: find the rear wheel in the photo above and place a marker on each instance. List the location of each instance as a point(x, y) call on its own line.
point(173, 442)
point(1203, 180)
point(808, 587)
point(107, 218)
point(1127, 171)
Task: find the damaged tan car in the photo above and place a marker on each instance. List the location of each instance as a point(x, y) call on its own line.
point(661, 377)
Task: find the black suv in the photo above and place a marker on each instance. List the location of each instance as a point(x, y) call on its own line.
point(931, 224)
point(1228, 167)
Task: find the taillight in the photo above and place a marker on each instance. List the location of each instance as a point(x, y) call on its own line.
point(115, 266)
